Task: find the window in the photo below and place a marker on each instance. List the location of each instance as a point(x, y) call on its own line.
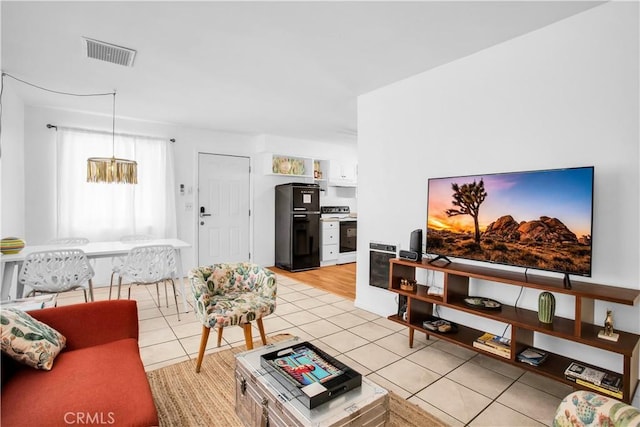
point(104, 212)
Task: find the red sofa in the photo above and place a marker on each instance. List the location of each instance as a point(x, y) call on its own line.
point(98, 378)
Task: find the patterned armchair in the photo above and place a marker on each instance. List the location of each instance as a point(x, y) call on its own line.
point(232, 294)
point(587, 408)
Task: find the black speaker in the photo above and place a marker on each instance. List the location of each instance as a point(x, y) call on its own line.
point(416, 243)
point(410, 255)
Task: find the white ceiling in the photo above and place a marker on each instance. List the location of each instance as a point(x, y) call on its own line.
point(285, 68)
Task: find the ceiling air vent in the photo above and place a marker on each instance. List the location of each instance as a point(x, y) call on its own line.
point(109, 52)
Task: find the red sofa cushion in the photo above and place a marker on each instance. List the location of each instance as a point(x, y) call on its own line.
point(102, 384)
point(92, 323)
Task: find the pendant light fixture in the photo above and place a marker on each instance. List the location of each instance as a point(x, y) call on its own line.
point(112, 169)
point(99, 169)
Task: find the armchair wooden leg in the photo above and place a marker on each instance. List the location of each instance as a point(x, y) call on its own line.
point(220, 335)
point(203, 344)
point(261, 328)
point(247, 336)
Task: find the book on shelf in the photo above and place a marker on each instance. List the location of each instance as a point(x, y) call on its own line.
point(584, 372)
point(600, 389)
point(502, 352)
point(595, 379)
point(532, 356)
point(611, 382)
point(500, 343)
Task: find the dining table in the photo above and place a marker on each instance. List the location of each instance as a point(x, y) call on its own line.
point(92, 250)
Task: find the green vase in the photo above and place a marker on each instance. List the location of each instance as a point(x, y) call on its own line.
point(546, 307)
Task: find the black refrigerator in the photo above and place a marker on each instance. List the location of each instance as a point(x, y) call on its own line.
point(297, 226)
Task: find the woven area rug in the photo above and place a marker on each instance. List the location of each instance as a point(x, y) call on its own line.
point(184, 398)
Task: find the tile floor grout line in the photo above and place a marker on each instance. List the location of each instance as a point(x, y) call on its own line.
point(418, 397)
point(391, 336)
point(491, 399)
point(515, 410)
point(495, 400)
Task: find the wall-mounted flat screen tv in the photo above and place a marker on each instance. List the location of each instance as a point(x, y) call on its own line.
point(536, 219)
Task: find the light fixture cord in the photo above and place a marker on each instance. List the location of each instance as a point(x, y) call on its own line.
point(56, 91)
point(1, 92)
point(113, 127)
point(53, 91)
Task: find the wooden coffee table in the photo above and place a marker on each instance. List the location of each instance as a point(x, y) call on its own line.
point(261, 397)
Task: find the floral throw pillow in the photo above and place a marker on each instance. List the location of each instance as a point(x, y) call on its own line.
point(28, 340)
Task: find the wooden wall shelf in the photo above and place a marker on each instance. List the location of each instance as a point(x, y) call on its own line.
point(580, 329)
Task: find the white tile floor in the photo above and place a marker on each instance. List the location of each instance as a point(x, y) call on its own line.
point(458, 385)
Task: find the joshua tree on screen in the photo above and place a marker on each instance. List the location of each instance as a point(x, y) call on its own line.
point(468, 199)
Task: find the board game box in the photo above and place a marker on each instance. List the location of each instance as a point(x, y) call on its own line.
point(311, 374)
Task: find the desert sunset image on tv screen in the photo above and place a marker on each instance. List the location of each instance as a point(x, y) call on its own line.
point(538, 219)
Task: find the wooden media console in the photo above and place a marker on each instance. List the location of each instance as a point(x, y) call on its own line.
point(580, 329)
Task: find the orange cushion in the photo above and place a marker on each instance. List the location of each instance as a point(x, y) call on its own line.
point(104, 384)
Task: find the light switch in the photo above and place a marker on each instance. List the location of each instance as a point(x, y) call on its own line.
point(188, 206)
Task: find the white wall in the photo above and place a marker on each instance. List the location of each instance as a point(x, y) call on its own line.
point(12, 167)
point(39, 184)
point(565, 95)
point(40, 169)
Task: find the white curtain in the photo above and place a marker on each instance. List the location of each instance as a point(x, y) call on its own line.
point(100, 211)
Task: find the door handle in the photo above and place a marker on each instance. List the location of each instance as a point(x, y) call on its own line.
point(202, 214)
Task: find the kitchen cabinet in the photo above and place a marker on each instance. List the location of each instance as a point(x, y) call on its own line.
point(330, 238)
point(343, 173)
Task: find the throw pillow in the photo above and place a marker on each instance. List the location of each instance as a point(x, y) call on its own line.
point(28, 340)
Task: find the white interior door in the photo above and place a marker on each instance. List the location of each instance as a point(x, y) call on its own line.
point(223, 208)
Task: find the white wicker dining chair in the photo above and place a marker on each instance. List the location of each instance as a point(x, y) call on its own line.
point(145, 265)
point(118, 261)
point(57, 271)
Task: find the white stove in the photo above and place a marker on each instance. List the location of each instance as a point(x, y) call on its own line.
point(335, 212)
point(346, 234)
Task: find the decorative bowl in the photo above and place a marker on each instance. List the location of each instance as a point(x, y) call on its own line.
point(11, 245)
point(408, 285)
